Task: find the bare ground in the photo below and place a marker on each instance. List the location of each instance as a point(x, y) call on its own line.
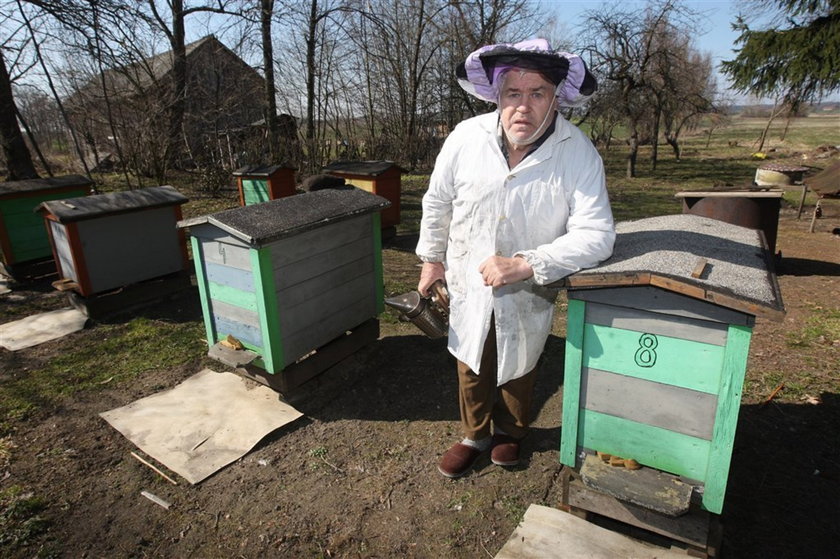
point(356, 476)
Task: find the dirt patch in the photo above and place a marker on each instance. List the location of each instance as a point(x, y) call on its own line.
point(356, 476)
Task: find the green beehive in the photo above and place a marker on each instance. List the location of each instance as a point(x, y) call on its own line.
point(657, 344)
point(23, 237)
point(287, 277)
point(261, 183)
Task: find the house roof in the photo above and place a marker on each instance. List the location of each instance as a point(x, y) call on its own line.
point(12, 188)
point(136, 76)
point(695, 256)
point(260, 224)
point(87, 207)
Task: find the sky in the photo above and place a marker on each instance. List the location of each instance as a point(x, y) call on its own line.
point(714, 33)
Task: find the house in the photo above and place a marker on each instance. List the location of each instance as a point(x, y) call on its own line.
point(223, 93)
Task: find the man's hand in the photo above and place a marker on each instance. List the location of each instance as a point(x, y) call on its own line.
point(497, 271)
point(429, 274)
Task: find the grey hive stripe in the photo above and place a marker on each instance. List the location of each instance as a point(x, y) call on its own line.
point(676, 409)
point(652, 323)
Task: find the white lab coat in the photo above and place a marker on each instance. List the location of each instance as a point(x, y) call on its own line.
point(552, 209)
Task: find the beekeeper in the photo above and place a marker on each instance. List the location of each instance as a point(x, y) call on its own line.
point(517, 200)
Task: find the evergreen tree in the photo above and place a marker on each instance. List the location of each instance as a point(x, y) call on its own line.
point(800, 61)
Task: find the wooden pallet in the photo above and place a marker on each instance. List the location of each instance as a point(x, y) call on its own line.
point(33, 270)
point(697, 533)
point(305, 369)
point(126, 298)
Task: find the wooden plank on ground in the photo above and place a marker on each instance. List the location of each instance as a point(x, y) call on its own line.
point(547, 532)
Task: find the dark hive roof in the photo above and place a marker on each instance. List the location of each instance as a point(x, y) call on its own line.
point(365, 168)
point(259, 224)
point(86, 207)
point(33, 185)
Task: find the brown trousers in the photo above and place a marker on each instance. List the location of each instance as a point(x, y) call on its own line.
point(508, 406)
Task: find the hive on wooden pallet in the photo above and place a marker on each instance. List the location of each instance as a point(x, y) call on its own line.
point(23, 239)
point(383, 178)
point(113, 240)
point(657, 344)
point(261, 183)
point(288, 277)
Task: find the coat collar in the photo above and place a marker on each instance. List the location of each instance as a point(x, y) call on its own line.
point(562, 131)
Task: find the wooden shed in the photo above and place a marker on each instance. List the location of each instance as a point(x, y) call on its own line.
point(288, 277)
point(23, 238)
point(107, 241)
point(383, 178)
point(656, 350)
point(261, 183)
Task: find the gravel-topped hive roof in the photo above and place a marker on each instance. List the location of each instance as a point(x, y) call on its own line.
point(33, 185)
point(112, 203)
point(670, 252)
point(260, 224)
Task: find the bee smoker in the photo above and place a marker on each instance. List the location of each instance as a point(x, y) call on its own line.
point(430, 314)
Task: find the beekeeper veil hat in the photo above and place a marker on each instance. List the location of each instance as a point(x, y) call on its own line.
point(479, 74)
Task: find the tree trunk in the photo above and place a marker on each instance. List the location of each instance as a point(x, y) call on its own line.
point(272, 126)
point(310, 85)
point(675, 145)
point(654, 152)
point(177, 105)
point(18, 158)
point(632, 156)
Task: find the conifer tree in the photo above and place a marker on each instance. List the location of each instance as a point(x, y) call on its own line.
point(798, 60)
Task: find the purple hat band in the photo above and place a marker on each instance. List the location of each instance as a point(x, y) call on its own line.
point(478, 75)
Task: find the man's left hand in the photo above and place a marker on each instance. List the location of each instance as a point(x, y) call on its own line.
point(497, 271)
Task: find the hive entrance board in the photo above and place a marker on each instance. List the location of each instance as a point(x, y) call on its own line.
point(647, 487)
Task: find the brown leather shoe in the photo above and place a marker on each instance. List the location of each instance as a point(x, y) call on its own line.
point(458, 460)
point(505, 450)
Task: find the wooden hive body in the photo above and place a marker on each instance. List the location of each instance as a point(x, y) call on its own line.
point(259, 184)
point(656, 357)
point(383, 178)
point(112, 240)
point(287, 276)
point(23, 237)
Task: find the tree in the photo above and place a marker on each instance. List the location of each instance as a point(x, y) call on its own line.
point(798, 62)
point(18, 158)
point(175, 30)
point(654, 78)
point(272, 125)
point(624, 48)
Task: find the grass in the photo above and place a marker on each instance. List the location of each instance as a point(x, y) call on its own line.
point(118, 353)
point(22, 523)
point(822, 327)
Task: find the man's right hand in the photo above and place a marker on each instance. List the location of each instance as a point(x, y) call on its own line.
point(429, 274)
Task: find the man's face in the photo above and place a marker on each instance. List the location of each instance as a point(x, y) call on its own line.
point(525, 99)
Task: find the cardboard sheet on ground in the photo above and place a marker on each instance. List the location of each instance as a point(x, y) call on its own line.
point(204, 423)
point(40, 328)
